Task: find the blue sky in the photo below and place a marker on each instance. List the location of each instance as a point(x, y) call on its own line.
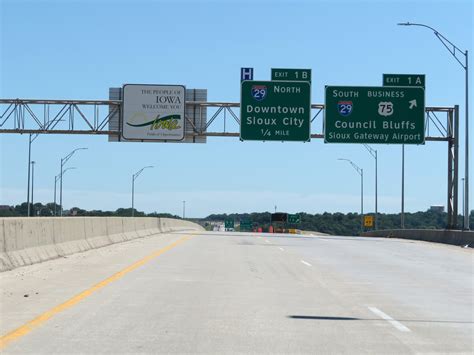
point(78, 49)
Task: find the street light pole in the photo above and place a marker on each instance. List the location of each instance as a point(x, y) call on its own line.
point(56, 178)
point(463, 197)
point(376, 192)
point(362, 199)
point(373, 152)
point(184, 209)
point(31, 139)
point(55, 182)
point(29, 167)
point(454, 51)
point(360, 171)
point(32, 187)
point(61, 189)
point(402, 215)
point(134, 176)
point(466, 173)
point(63, 162)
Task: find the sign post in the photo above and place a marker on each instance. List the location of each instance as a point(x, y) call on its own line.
point(385, 115)
point(275, 111)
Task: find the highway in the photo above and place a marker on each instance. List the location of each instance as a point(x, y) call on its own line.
point(222, 293)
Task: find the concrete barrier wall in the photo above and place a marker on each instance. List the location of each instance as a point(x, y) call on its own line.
point(26, 241)
point(454, 237)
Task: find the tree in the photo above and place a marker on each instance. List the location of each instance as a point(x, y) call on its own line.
point(22, 210)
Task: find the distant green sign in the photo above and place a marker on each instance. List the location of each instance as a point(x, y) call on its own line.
point(291, 74)
point(388, 115)
point(294, 218)
point(275, 111)
point(404, 80)
point(229, 224)
point(245, 224)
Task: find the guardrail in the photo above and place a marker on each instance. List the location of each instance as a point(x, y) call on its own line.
point(26, 241)
point(454, 237)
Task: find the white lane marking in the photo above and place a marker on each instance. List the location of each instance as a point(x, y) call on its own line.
point(281, 249)
point(389, 319)
point(259, 237)
point(306, 263)
point(267, 241)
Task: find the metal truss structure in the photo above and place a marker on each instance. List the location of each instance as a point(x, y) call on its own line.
point(56, 116)
point(93, 117)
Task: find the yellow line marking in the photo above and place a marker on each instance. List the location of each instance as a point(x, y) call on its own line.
point(29, 326)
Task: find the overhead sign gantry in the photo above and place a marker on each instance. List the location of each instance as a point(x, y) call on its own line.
point(103, 117)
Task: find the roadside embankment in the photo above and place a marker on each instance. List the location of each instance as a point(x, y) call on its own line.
point(454, 237)
point(26, 241)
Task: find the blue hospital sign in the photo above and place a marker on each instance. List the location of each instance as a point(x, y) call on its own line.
point(246, 74)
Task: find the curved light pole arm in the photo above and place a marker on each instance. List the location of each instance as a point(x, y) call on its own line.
point(137, 173)
point(67, 157)
point(371, 150)
point(134, 176)
point(140, 171)
point(359, 170)
point(450, 46)
point(57, 177)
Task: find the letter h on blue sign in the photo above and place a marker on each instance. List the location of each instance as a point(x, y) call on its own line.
point(246, 74)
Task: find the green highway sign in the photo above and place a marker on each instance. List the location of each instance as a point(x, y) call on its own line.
point(388, 115)
point(229, 224)
point(404, 80)
point(275, 111)
point(291, 74)
point(245, 224)
point(294, 218)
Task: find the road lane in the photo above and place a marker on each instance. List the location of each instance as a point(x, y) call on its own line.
point(29, 291)
point(427, 285)
point(228, 292)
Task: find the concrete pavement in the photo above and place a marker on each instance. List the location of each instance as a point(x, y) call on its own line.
point(218, 293)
